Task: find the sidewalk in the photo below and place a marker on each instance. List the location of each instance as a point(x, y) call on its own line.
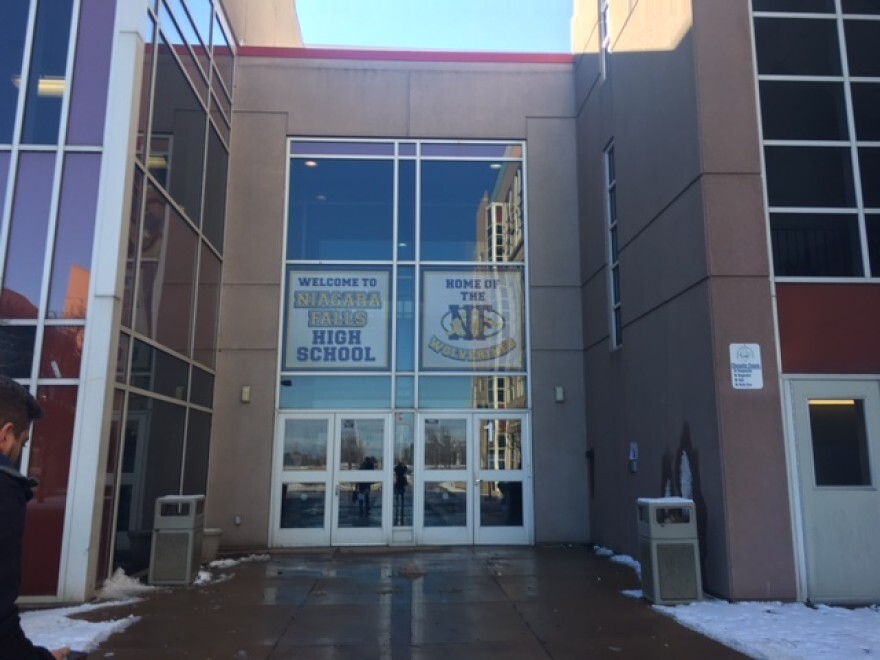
point(480, 603)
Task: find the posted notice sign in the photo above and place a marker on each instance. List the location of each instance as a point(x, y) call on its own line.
point(745, 367)
point(472, 320)
point(337, 320)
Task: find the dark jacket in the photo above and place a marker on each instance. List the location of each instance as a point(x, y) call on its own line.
point(15, 491)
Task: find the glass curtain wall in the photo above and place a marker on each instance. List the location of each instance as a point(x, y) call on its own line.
point(54, 64)
point(160, 437)
point(404, 283)
point(819, 84)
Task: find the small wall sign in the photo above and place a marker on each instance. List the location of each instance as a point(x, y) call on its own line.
point(745, 367)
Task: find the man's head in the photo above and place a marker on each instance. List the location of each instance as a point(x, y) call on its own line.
point(18, 408)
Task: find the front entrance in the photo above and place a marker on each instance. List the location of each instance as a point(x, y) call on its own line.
point(837, 430)
point(378, 479)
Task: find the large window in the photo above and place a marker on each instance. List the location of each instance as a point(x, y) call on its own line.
point(405, 283)
point(819, 84)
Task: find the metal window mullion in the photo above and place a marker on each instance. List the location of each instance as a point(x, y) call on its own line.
point(853, 145)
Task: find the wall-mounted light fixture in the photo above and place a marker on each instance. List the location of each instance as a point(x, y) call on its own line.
point(246, 394)
point(559, 394)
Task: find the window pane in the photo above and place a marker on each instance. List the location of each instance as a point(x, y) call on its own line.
point(797, 46)
point(406, 322)
point(806, 245)
point(501, 504)
point(62, 352)
point(312, 148)
point(215, 191)
point(406, 211)
point(202, 390)
point(188, 31)
point(13, 29)
point(445, 504)
point(803, 111)
point(305, 444)
point(462, 204)
point(360, 504)
point(341, 209)
point(860, 7)
point(362, 444)
point(46, 79)
point(456, 392)
point(205, 350)
point(167, 265)
point(861, 47)
point(72, 261)
point(146, 88)
point(91, 75)
point(872, 221)
point(179, 120)
point(122, 358)
point(327, 392)
point(405, 394)
point(467, 150)
point(404, 460)
point(869, 164)
point(134, 232)
point(302, 506)
point(198, 442)
point(840, 447)
point(813, 6)
point(157, 371)
point(20, 298)
point(193, 68)
point(866, 107)
point(16, 350)
point(446, 444)
point(809, 176)
point(501, 444)
point(222, 55)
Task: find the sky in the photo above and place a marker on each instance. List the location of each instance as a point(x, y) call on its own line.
point(766, 630)
point(525, 26)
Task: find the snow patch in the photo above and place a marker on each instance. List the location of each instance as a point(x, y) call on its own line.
point(54, 629)
point(229, 563)
point(120, 586)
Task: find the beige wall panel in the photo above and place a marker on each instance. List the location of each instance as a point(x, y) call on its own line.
point(241, 450)
point(487, 101)
point(250, 317)
point(264, 22)
point(255, 207)
point(595, 314)
point(552, 202)
point(726, 86)
point(555, 318)
point(558, 431)
point(736, 231)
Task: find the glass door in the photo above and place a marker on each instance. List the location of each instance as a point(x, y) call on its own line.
point(443, 480)
point(362, 504)
point(502, 499)
point(303, 481)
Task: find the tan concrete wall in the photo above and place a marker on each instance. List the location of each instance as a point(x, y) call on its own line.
point(264, 22)
point(679, 103)
point(281, 97)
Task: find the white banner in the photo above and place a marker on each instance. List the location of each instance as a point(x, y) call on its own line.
point(337, 320)
point(473, 320)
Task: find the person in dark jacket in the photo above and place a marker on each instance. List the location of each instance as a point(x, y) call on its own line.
point(17, 410)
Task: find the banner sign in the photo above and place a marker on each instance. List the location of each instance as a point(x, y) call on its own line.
point(473, 320)
point(337, 320)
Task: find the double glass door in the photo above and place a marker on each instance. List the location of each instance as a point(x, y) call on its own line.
point(361, 478)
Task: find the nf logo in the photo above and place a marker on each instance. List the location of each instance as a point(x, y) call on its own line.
point(471, 322)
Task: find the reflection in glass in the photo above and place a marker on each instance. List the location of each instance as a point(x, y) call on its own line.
point(872, 222)
point(809, 176)
point(797, 47)
point(869, 165)
point(810, 6)
point(47, 82)
point(192, 67)
point(360, 504)
point(71, 263)
point(305, 444)
point(146, 86)
point(20, 297)
point(62, 351)
point(406, 322)
point(406, 210)
point(501, 444)
point(91, 75)
point(134, 232)
point(202, 390)
point(471, 211)
point(328, 392)
point(404, 459)
point(501, 504)
point(404, 394)
point(340, 209)
point(13, 29)
point(16, 350)
point(222, 54)
point(861, 47)
point(866, 109)
point(122, 358)
point(302, 506)
point(840, 445)
point(198, 444)
point(445, 444)
point(362, 444)
point(207, 312)
point(798, 110)
point(445, 504)
point(214, 221)
point(484, 392)
point(158, 371)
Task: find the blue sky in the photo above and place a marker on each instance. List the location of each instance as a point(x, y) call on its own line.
point(528, 26)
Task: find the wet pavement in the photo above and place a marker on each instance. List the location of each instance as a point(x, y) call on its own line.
point(510, 603)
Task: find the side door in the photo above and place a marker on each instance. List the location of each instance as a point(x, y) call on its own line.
point(837, 435)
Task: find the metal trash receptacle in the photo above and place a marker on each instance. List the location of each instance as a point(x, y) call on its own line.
point(178, 527)
point(669, 550)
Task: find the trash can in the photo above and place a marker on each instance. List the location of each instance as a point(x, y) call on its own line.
point(669, 550)
point(178, 526)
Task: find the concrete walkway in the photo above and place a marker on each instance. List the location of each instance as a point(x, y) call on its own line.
point(481, 603)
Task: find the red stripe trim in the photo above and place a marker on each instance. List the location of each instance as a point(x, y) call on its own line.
point(403, 55)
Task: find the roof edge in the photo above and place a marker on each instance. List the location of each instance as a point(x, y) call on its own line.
point(404, 55)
